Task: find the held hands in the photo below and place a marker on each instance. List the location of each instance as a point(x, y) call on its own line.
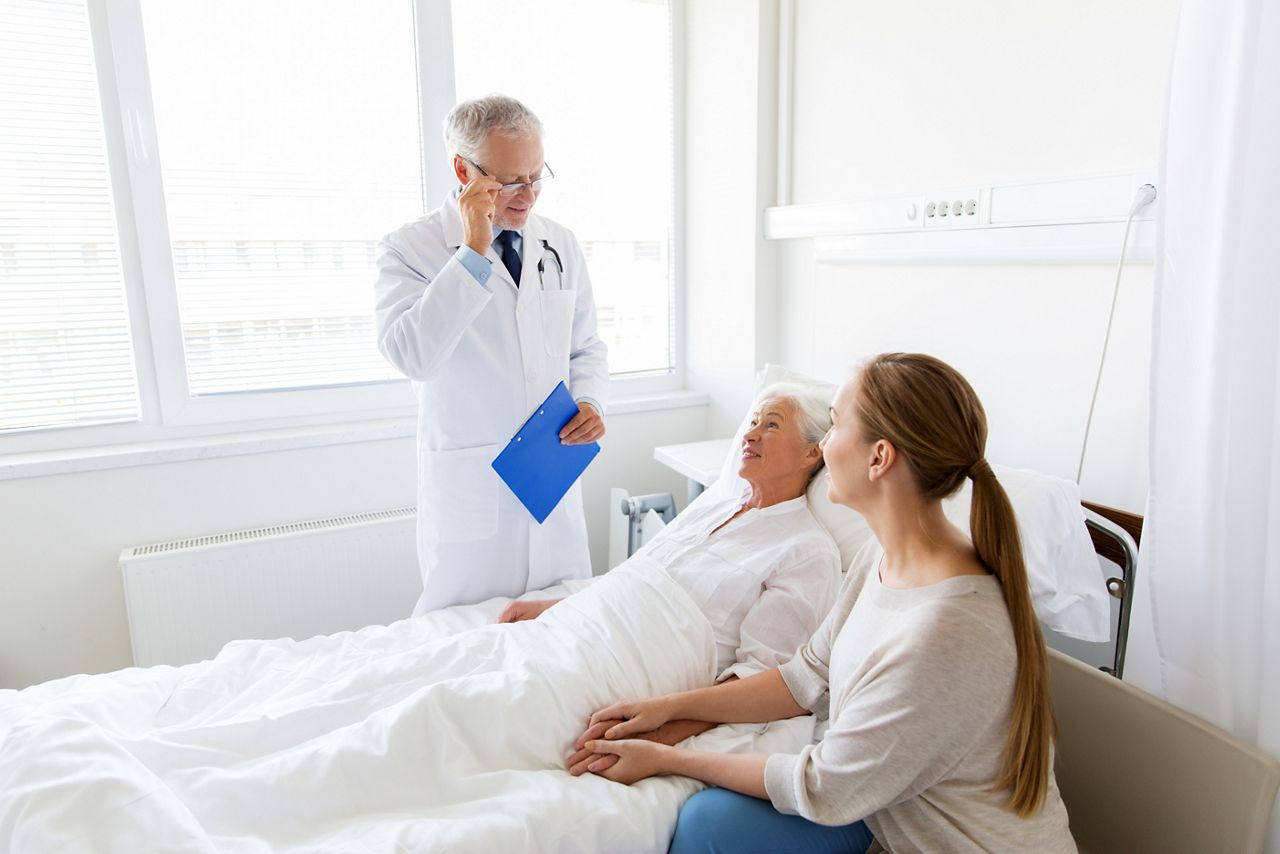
point(584, 760)
point(476, 206)
point(641, 718)
point(632, 759)
point(586, 426)
point(519, 611)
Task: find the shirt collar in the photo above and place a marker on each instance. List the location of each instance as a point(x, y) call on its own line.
point(788, 506)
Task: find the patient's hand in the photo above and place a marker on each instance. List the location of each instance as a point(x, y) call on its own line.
point(581, 758)
point(530, 610)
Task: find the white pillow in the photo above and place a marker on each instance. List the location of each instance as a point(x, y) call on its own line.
point(1068, 586)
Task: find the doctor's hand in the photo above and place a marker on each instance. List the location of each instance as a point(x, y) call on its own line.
point(476, 205)
point(528, 610)
point(586, 426)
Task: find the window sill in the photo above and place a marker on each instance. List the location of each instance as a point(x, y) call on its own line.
point(19, 466)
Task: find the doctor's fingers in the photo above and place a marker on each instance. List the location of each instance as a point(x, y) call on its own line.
point(590, 428)
point(483, 186)
point(587, 431)
point(574, 423)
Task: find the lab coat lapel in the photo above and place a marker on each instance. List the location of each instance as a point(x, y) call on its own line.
point(533, 234)
point(499, 268)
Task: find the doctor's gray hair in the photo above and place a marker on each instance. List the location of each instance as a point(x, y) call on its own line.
point(469, 123)
point(813, 407)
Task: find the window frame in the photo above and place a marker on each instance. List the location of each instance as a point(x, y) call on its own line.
point(167, 411)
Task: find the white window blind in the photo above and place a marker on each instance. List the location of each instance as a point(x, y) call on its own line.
point(602, 86)
point(289, 142)
point(66, 357)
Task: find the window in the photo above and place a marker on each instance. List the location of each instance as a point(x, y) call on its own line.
point(601, 83)
point(66, 357)
point(286, 151)
point(191, 194)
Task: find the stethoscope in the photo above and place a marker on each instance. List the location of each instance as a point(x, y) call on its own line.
point(542, 267)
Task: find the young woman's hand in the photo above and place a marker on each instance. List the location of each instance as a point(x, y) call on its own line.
point(579, 762)
point(634, 717)
point(629, 760)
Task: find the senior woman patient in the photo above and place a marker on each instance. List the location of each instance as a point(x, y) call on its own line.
point(757, 563)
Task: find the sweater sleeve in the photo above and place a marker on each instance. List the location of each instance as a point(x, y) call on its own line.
point(807, 674)
point(937, 688)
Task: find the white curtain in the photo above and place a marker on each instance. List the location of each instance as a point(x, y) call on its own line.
point(1206, 628)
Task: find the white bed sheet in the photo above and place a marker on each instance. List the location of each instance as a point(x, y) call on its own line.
point(444, 733)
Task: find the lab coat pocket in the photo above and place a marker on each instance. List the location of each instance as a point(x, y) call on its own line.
point(557, 323)
point(460, 493)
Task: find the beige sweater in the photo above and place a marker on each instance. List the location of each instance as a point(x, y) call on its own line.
point(917, 685)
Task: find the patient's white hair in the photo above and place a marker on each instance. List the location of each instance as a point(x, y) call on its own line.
point(468, 125)
point(813, 407)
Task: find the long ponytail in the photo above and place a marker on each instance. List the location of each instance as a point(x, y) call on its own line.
point(1025, 763)
point(931, 414)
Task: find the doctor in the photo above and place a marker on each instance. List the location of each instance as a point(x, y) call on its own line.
point(486, 306)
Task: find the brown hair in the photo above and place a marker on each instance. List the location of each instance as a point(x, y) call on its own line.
point(931, 415)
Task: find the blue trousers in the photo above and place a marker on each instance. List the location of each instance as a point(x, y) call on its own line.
point(717, 821)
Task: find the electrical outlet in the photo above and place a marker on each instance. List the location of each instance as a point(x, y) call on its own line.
point(939, 212)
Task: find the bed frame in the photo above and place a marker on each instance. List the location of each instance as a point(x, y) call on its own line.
point(1116, 534)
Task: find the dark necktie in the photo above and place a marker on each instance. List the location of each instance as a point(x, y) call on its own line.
point(510, 257)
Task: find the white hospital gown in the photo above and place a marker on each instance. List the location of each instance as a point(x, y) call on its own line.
point(765, 581)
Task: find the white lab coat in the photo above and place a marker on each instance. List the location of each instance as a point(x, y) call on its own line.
point(481, 361)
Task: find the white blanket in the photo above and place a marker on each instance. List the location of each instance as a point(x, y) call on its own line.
point(413, 737)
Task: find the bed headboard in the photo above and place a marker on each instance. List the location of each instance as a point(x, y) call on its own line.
point(1107, 546)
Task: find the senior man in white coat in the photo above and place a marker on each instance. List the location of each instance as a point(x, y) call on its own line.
point(486, 306)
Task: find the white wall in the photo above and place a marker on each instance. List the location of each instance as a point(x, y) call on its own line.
point(62, 606)
point(730, 122)
point(899, 97)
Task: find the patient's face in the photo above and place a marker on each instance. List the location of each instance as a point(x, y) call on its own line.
point(773, 449)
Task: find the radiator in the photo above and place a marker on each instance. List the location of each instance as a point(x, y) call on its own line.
point(187, 598)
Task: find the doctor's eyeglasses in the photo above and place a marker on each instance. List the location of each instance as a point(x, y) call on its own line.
point(511, 189)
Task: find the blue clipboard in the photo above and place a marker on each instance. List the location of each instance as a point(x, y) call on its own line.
point(535, 466)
